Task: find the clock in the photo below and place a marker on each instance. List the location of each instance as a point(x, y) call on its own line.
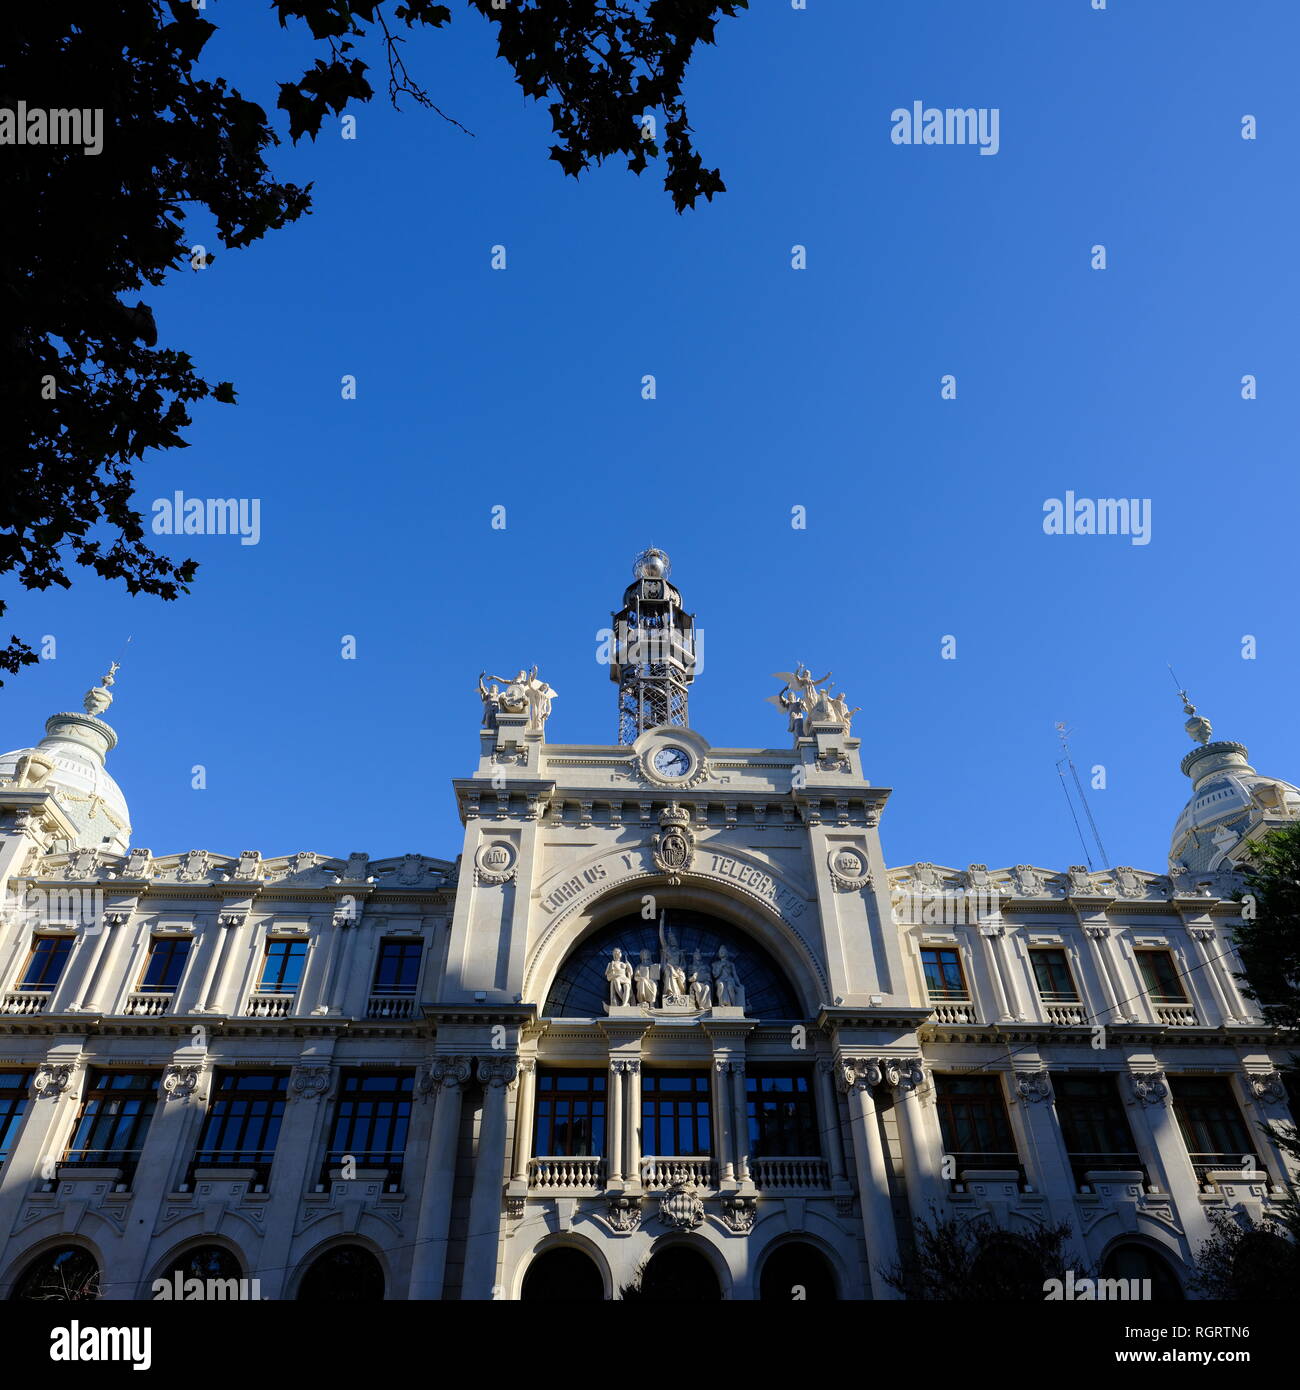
point(671, 761)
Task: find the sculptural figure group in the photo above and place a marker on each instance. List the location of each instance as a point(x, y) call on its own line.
point(672, 983)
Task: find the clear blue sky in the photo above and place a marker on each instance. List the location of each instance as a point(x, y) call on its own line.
point(776, 388)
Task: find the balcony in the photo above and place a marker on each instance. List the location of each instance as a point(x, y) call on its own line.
point(270, 1005)
point(951, 1007)
point(1065, 1010)
point(1179, 1015)
point(1211, 1169)
point(25, 1001)
point(560, 1174)
point(149, 1004)
point(790, 1174)
point(1088, 1167)
point(384, 1005)
point(660, 1173)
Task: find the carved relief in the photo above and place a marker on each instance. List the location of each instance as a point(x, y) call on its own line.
point(1149, 1087)
point(310, 1083)
point(680, 1208)
point(179, 1082)
point(495, 862)
point(1033, 1086)
point(849, 871)
point(674, 845)
point(51, 1081)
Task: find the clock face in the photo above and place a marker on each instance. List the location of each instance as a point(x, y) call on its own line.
point(672, 762)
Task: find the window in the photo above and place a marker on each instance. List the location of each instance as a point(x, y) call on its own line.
point(675, 1114)
point(973, 1120)
point(1052, 975)
point(167, 957)
point(45, 965)
point(115, 1114)
point(943, 973)
point(1093, 1123)
point(1160, 976)
point(66, 1275)
point(1211, 1123)
point(282, 970)
point(15, 1087)
point(782, 1115)
point(345, 1274)
point(570, 1113)
point(243, 1121)
point(398, 967)
point(371, 1117)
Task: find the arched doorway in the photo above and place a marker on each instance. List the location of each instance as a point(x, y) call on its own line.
point(66, 1274)
point(1133, 1261)
point(677, 1274)
point(797, 1272)
point(563, 1275)
point(344, 1274)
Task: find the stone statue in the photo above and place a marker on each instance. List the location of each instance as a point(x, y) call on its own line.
point(699, 983)
point(726, 983)
point(803, 700)
point(646, 978)
point(523, 692)
point(670, 965)
point(619, 974)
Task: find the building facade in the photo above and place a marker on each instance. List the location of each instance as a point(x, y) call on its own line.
point(669, 1025)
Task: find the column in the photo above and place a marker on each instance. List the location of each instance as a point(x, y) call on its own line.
point(1115, 1011)
point(444, 1081)
point(632, 1105)
point(614, 1124)
point(228, 923)
point(721, 1110)
point(498, 1076)
point(113, 922)
point(1033, 1113)
point(990, 933)
point(525, 1113)
point(829, 1112)
point(47, 1124)
point(1153, 1118)
point(918, 1133)
point(740, 1129)
point(858, 1076)
point(1207, 957)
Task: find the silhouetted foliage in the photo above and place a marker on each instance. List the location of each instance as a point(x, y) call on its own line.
point(956, 1261)
point(85, 386)
point(1269, 938)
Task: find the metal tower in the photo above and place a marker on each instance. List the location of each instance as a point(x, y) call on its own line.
point(653, 659)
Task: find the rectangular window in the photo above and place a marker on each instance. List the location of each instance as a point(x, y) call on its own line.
point(1052, 975)
point(167, 957)
point(943, 973)
point(782, 1114)
point(243, 1121)
point(675, 1114)
point(1211, 1123)
point(15, 1088)
point(1160, 976)
point(398, 968)
point(570, 1114)
point(115, 1115)
point(282, 970)
point(371, 1117)
point(973, 1121)
point(45, 965)
point(1093, 1123)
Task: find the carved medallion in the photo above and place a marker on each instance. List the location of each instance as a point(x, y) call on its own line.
point(849, 871)
point(680, 1207)
point(495, 862)
point(673, 847)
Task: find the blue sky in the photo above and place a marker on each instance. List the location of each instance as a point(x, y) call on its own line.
point(776, 388)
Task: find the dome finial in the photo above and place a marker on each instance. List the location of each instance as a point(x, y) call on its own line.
point(1198, 726)
point(99, 697)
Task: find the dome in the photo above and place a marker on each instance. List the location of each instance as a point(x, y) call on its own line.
point(69, 761)
point(1230, 805)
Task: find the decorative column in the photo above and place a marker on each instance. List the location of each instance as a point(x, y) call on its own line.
point(632, 1105)
point(614, 1124)
point(525, 1114)
point(740, 1130)
point(114, 921)
point(1203, 942)
point(721, 1107)
point(829, 1112)
point(1119, 1009)
point(918, 1132)
point(229, 924)
point(857, 1077)
point(498, 1076)
point(1154, 1120)
point(444, 1082)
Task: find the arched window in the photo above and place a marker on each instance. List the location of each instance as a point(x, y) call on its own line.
point(68, 1274)
point(563, 1275)
point(676, 1274)
point(580, 989)
point(1134, 1261)
point(797, 1272)
point(345, 1274)
point(204, 1271)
